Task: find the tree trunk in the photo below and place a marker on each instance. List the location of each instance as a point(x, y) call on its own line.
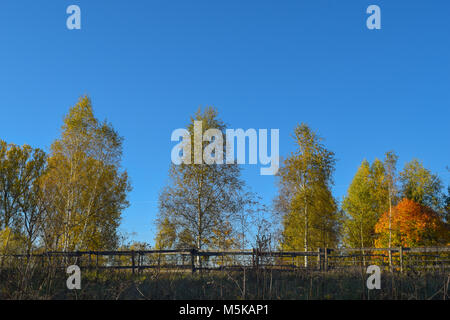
point(362, 244)
point(306, 234)
point(390, 229)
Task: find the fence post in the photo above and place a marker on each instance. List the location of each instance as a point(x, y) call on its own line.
point(326, 260)
point(253, 258)
point(391, 268)
point(257, 258)
point(193, 254)
point(140, 261)
point(78, 259)
point(400, 250)
point(132, 261)
point(319, 259)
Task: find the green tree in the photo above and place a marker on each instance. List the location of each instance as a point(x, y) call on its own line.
point(366, 200)
point(421, 185)
point(310, 215)
point(361, 207)
point(201, 196)
point(390, 167)
point(166, 236)
point(380, 187)
point(85, 188)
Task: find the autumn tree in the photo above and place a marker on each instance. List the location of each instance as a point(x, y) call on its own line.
point(85, 188)
point(31, 202)
point(390, 167)
point(446, 210)
point(361, 208)
point(21, 212)
point(223, 236)
point(310, 215)
point(202, 198)
point(447, 206)
point(166, 236)
point(421, 185)
point(411, 224)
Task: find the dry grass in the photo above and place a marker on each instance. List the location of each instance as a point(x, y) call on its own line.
point(244, 284)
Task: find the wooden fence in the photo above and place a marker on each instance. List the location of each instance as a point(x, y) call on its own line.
point(191, 260)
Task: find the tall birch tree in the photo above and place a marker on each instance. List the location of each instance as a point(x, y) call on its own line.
point(201, 197)
point(85, 187)
point(310, 215)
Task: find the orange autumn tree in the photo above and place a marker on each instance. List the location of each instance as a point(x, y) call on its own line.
point(412, 225)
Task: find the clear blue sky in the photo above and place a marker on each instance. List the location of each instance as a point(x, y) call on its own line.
point(148, 65)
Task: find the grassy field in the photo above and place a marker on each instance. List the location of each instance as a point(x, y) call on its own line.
point(251, 284)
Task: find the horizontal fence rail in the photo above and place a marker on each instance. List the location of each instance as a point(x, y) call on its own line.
point(192, 260)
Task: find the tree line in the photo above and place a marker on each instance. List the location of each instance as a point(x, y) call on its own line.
point(72, 198)
point(69, 199)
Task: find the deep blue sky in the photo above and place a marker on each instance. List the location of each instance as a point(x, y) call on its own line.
point(148, 65)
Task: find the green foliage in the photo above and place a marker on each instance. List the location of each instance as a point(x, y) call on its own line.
point(373, 194)
point(9, 242)
point(421, 186)
point(310, 213)
point(200, 196)
point(364, 203)
point(166, 236)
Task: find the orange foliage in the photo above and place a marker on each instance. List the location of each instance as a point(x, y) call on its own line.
point(412, 224)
